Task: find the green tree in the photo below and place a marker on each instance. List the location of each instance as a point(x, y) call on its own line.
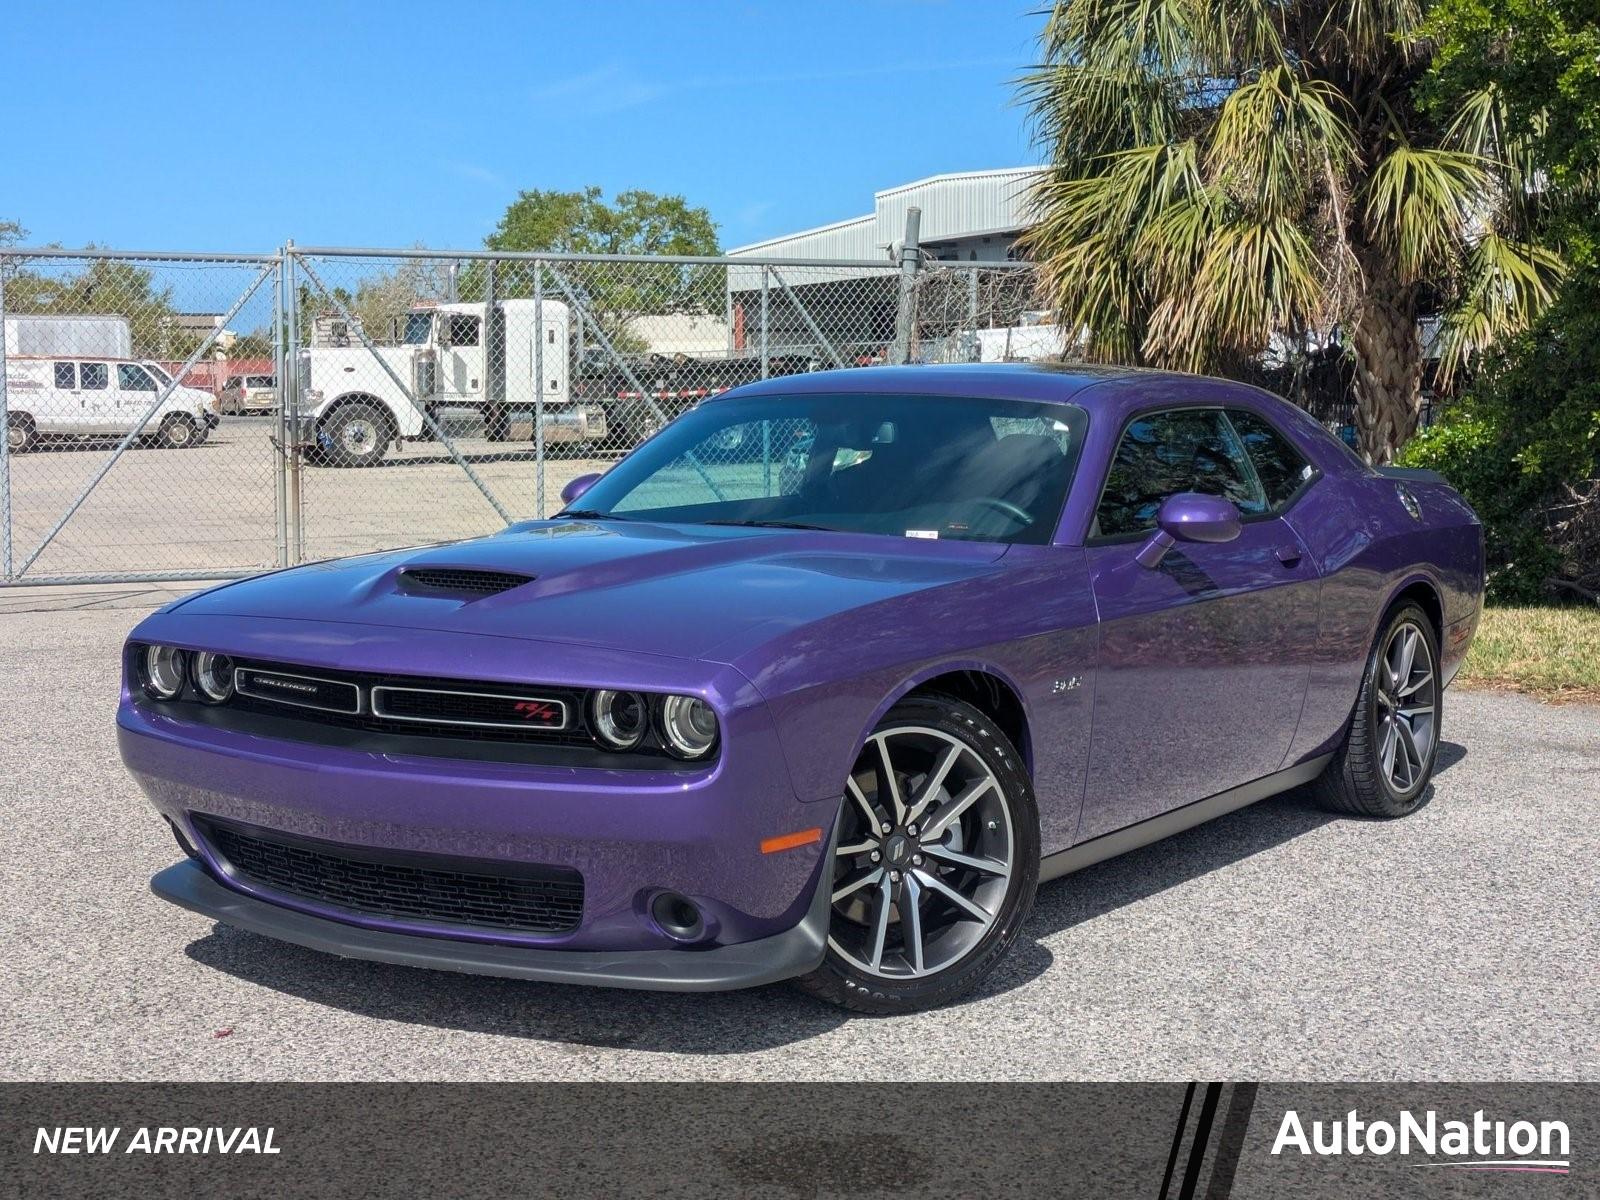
point(635, 222)
point(1524, 442)
point(1222, 173)
point(103, 286)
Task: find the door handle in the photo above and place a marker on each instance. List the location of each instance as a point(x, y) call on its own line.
point(1289, 555)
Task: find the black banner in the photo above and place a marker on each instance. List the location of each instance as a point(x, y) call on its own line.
point(1155, 1141)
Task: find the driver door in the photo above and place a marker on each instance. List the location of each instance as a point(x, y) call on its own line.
point(136, 392)
point(1203, 660)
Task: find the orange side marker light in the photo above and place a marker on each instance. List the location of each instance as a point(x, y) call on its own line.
point(789, 841)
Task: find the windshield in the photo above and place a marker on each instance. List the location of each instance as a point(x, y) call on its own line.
point(900, 466)
point(418, 326)
point(158, 372)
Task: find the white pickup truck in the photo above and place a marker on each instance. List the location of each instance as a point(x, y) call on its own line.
point(78, 395)
point(354, 401)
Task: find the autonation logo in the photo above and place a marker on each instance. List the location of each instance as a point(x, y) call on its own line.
point(1480, 1144)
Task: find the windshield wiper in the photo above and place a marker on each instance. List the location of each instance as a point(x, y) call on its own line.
point(591, 514)
point(775, 525)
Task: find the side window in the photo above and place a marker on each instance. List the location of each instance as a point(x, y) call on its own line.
point(1182, 450)
point(463, 329)
point(1277, 464)
point(131, 378)
point(93, 377)
point(67, 376)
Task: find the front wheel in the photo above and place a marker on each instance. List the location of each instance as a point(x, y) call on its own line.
point(1388, 754)
point(178, 432)
point(355, 436)
point(937, 861)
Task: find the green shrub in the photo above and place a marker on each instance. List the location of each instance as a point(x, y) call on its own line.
point(1523, 446)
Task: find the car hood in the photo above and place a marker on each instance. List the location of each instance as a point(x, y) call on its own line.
point(660, 589)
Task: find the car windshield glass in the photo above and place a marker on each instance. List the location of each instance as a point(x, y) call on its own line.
point(158, 373)
point(901, 466)
point(418, 326)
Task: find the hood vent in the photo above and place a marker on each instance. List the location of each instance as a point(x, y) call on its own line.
point(458, 581)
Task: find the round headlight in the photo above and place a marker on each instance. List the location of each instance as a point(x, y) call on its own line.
point(688, 726)
point(620, 718)
point(163, 671)
point(213, 675)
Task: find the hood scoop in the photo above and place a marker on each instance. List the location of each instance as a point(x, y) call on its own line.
point(462, 582)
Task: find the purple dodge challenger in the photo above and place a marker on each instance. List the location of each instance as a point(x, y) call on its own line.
point(817, 684)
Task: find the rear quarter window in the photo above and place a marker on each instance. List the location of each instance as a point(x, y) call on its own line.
point(1282, 469)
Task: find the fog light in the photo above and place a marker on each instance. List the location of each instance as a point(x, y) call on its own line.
point(620, 718)
point(213, 675)
point(677, 917)
point(688, 726)
point(163, 671)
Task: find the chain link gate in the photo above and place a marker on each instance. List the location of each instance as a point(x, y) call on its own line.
point(116, 464)
point(334, 401)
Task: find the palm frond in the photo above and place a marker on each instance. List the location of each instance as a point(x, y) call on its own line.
point(1423, 202)
point(1258, 275)
point(1507, 284)
point(1276, 137)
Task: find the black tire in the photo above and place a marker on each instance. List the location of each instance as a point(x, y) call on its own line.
point(497, 423)
point(178, 431)
point(358, 436)
point(842, 981)
point(1355, 783)
point(21, 433)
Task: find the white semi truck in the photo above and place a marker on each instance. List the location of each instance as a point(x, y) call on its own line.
point(354, 402)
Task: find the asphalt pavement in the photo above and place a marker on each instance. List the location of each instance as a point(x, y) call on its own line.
point(1277, 943)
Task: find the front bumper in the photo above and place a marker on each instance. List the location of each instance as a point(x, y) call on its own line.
point(630, 833)
point(795, 951)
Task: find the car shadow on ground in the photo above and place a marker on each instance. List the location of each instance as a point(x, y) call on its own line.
point(1146, 872)
point(728, 1023)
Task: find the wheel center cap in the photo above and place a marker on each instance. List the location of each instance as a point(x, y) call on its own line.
point(896, 849)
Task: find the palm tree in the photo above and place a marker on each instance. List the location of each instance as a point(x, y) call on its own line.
point(1227, 171)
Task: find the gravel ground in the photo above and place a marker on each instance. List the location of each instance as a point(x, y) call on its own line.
point(1276, 943)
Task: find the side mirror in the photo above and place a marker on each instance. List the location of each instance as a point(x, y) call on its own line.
point(577, 487)
point(1189, 517)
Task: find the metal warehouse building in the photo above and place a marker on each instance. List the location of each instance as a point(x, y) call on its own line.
point(971, 216)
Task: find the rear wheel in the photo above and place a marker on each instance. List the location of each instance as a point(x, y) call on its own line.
point(1387, 758)
point(937, 861)
point(178, 431)
point(21, 435)
point(357, 435)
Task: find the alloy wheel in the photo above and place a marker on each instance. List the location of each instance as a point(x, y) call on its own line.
point(925, 855)
point(1407, 696)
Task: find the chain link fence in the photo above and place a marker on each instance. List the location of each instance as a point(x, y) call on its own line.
point(205, 416)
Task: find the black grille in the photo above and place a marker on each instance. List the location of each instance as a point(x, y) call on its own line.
point(459, 581)
point(420, 716)
point(431, 889)
point(474, 710)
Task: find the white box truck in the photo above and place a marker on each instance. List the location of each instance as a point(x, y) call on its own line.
point(33, 335)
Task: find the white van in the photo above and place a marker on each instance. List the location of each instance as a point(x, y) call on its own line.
point(99, 397)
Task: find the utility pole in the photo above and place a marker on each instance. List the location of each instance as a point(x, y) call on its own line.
point(905, 312)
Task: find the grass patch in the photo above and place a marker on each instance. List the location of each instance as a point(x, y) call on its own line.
point(1552, 653)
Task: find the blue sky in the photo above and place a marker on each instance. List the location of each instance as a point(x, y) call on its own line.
point(231, 127)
